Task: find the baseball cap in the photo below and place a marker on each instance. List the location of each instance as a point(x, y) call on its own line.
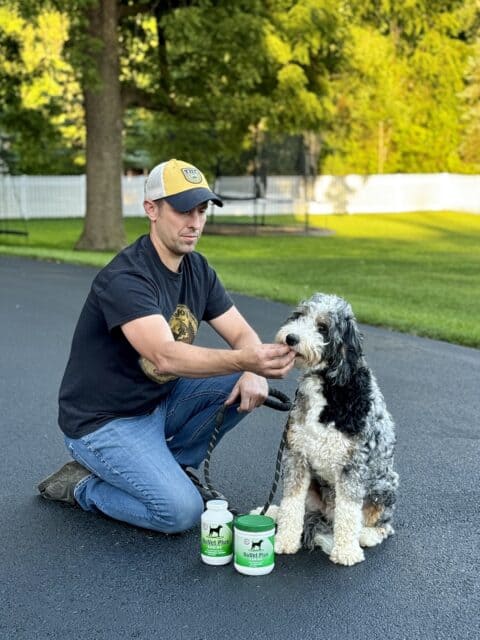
point(181, 184)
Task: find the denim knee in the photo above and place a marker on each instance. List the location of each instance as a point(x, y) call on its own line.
point(182, 512)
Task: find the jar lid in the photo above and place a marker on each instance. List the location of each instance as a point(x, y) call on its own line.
point(253, 522)
point(217, 505)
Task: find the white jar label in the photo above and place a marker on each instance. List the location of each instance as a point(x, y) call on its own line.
point(254, 549)
point(216, 539)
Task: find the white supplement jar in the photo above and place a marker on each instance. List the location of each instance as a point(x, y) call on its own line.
point(254, 537)
point(216, 533)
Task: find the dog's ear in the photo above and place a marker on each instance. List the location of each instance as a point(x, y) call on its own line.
point(348, 352)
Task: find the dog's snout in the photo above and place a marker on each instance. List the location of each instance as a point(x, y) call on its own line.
point(292, 339)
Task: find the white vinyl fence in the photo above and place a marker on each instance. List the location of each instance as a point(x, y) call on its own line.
point(64, 196)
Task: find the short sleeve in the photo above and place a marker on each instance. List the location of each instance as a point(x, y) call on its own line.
point(125, 297)
point(218, 301)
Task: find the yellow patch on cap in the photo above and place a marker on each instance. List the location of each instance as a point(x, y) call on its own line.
point(179, 176)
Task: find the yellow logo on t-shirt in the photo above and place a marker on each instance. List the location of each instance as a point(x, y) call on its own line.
point(184, 327)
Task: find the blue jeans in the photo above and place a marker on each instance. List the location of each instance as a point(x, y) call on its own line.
point(135, 462)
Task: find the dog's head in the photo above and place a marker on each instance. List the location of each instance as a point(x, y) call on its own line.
point(324, 333)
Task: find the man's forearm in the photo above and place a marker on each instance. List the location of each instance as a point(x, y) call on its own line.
point(180, 359)
point(247, 338)
point(151, 337)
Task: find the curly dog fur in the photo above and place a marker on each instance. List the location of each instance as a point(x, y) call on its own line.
point(339, 482)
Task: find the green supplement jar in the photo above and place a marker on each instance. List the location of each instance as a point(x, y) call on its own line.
point(216, 533)
point(254, 538)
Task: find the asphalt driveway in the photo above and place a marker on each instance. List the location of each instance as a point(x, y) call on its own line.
point(69, 574)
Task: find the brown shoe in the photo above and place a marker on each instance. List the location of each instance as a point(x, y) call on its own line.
point(61, 484)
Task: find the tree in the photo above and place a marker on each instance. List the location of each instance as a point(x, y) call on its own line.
point(369, 86)
point(470, 96)
point(265, 73)
point(370, 96)
point(103, 227)
point(263, 66)
point(209, 84)
point(397, 106)
point(38, 94)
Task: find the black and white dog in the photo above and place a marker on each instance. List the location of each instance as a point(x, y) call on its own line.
point(339, 483)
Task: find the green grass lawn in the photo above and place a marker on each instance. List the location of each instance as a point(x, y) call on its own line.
point(418, 273)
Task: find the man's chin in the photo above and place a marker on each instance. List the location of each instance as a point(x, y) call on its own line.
point(187, 247)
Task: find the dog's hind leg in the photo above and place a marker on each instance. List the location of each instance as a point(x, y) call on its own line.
point(376, 524)
point(371, 536)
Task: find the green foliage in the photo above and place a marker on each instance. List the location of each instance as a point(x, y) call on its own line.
point(304, 42)
point(39, 97)
point(398, 107)
point(214, 76)
point(263, 70)
point(386, 86)
point(470, 97)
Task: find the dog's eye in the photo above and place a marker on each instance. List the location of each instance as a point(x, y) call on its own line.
point(322, 327)
point(295, 315)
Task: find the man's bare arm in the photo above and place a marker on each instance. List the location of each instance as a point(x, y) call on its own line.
point(152, 338)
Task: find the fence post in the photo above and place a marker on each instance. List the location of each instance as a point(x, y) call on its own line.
point(23, 196)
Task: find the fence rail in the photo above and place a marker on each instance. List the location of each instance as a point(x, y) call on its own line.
point(64, 196)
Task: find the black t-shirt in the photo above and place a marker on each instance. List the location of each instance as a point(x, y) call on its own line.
point(105, 377)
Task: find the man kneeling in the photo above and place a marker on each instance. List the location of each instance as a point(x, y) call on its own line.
point(138, 400)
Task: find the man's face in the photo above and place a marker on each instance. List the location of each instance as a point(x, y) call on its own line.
point(177, 232)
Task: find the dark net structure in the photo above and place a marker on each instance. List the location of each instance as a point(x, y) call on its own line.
point(13, 221)
point(12, 218)
point(273, 195)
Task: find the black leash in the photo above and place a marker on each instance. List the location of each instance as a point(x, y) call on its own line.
point(275, 400)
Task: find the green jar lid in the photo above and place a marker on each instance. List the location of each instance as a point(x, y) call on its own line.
point(254, 523)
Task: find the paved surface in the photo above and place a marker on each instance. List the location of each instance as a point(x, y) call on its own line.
point(68, 574)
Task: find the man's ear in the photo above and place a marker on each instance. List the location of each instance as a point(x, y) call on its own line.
point(151, 209)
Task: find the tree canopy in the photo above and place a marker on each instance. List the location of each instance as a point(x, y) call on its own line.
point(387, 86)
point(366, 86)
point(399, 106)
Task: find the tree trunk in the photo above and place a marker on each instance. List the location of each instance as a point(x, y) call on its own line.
point(311, 150)
point(103, 229)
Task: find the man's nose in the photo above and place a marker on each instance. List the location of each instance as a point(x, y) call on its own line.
point(195, 216)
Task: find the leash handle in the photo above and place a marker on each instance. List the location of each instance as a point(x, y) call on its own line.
point(275, 400)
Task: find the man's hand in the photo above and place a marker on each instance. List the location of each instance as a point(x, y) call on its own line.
point(268, 360)
point(252, 391)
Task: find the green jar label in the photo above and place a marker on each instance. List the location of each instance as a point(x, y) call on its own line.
point(254, 549)
point(216, 539)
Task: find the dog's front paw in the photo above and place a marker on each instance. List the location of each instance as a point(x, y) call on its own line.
point(347, 556)
point(287, 544)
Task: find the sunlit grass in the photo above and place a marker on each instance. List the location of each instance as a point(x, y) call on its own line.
point(418, 273)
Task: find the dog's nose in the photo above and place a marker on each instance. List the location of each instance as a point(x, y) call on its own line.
point(292, 339)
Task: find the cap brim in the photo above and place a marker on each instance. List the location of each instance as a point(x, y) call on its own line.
point(190, 199)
